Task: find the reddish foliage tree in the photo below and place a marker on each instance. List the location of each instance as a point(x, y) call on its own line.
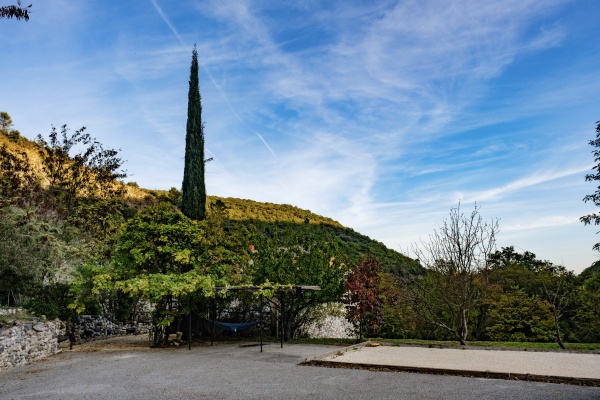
point(363, 300)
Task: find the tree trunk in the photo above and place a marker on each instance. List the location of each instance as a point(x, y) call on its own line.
point(464, 328)
point(288, 322)
point(557, 336)
point(360, 333)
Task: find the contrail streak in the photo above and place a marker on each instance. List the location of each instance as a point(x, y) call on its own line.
point(164, 17)
point(172, 27)
point(266, 144)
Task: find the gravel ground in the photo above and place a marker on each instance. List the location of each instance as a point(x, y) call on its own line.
point(571, 365)
point(125, 368)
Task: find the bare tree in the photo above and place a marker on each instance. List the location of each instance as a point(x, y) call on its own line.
point(455, 257)
point(558, 290)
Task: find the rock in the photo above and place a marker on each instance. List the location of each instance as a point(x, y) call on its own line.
point(62, 338)
point(39, 327)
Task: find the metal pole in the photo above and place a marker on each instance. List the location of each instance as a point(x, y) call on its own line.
point(261, 322)
point(282, 309)
point(212, 325)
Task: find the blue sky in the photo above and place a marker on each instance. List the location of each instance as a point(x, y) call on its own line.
point(379, 114)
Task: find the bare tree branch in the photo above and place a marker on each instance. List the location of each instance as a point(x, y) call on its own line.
point(456, 258)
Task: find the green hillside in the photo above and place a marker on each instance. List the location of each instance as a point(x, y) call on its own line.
point(265, 216)
point(247, 212)
point(283, 215)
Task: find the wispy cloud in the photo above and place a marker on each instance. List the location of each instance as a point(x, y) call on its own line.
point(380, 114)
point(523, 183)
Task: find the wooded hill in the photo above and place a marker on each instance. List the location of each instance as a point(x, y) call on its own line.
point(240, 210)
point(73, 234)
point(266, 216)
point(62, 210)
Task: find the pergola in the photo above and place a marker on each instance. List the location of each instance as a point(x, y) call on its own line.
point(297, 289)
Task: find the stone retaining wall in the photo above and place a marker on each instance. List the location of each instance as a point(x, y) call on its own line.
point(94, 327)
point(25, 343)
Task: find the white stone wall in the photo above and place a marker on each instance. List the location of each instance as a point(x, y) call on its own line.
point(332, 324)
point(25, 343)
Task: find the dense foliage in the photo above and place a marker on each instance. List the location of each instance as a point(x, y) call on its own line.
point(166, 258)
point(299, 255)
point(363, 298)
point(59, 211)
point(594, 218)
point(74, 239)
point(519, 317)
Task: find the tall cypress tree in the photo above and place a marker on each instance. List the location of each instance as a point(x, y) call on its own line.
point(193, 202)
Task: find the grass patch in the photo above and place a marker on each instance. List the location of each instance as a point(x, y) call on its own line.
point(534, 346)
point(498, 345)
point(21, 315)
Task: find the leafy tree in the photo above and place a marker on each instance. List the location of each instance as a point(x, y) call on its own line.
point(193, 203)
point(18, 182)
point(399, 319)
point(20, 263)
point(587, 313)
point(558, 290)
point(512, 270)
point(37, 259)
point(590, 271)
point(169, 260)
point(363, 296)
point(454, 257)
point(16, 12)
point(52, 301)
point(5, 122)
point(594, 218)
point(548, 282)
point(519, 317)
point(98, 223)
point(91, 172)
point(299, 255)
